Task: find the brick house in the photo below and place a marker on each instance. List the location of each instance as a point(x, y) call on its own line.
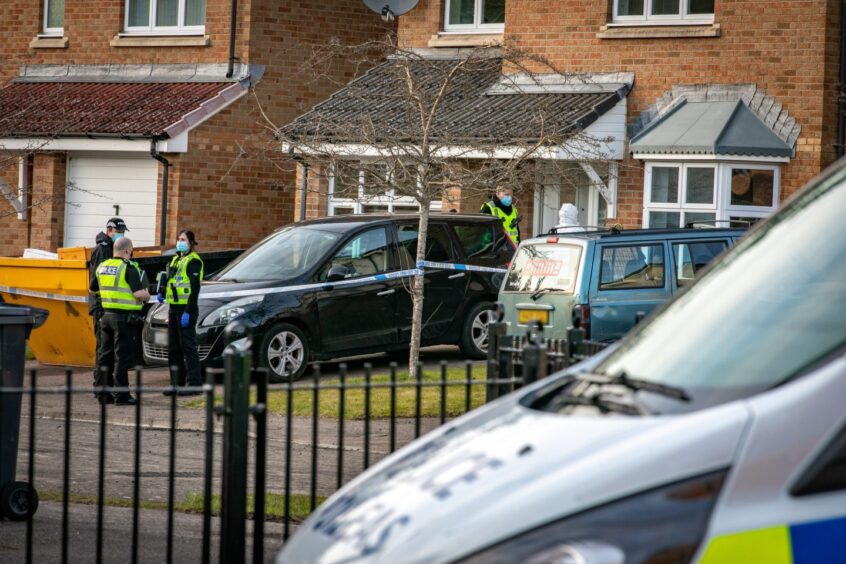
point(91, 90)
point(728, 106)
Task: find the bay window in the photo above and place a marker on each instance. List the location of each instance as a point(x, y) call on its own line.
point(663, 11)
point(165, 16)
point(679, 194)
point(474, 15)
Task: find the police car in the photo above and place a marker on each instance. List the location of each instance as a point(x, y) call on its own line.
point(715, 432)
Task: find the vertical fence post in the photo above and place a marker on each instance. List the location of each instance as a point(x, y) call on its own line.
point(534, 355)
point(236, 385)
point(575, 336)
point(496, 329)
point(506, 362)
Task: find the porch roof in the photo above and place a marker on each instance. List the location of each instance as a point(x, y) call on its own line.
point(479, 106)
point(104, 109)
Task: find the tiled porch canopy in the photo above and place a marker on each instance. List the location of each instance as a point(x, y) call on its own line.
point(480, 106)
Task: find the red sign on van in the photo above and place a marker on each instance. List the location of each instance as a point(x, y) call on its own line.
point(542, 267)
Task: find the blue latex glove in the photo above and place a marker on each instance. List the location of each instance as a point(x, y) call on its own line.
point(185, 319)
point(160, 298)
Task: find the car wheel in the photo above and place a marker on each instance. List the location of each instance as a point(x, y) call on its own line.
point(284, 352)
point(18, 501)
point(474, 335)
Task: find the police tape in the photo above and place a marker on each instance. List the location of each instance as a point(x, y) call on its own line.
point(45, 295)
point(204, 295)
point(463, 267)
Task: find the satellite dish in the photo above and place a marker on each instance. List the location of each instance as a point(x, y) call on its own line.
point(389, 9)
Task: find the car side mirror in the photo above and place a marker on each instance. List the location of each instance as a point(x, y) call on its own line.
point(337, 272)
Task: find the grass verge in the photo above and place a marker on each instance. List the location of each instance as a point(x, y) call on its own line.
point(380, 398)
point(29, 354)
point(193, 503)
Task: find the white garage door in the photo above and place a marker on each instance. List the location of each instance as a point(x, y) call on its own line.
point(104, 187)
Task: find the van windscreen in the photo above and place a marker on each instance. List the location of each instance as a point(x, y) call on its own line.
point(544, 266)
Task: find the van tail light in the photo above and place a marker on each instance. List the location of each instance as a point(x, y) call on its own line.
point(581, 318)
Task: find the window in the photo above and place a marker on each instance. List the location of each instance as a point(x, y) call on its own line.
point(828, 472)
point(365, 254)
point(470, 15)
point(690, 258)
point(168, 16)
point(438, 245)
point(352, 190)
point(629, 268)
point(681, 194)
point(476, 239)
point(663, 11)
point(54, 17)
point(544, 267)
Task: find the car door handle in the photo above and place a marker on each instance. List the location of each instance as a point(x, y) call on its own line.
point(386, 292)
point(454, 276)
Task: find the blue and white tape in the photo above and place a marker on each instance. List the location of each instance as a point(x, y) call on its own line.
point(210, 295)
point(463, 267)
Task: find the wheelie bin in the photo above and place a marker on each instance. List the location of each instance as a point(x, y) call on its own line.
point(18, 500)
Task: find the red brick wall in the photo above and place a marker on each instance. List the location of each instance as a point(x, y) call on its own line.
point(225, 188)
point(47, 223)
point(788, 48)
point(13, 231)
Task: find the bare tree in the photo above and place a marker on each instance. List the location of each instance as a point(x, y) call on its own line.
point(422, 126)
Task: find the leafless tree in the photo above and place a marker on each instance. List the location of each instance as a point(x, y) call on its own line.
point(411, 128)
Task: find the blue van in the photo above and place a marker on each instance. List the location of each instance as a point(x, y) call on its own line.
point(605, 279)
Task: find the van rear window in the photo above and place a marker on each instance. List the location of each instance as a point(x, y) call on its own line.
point(544, 266)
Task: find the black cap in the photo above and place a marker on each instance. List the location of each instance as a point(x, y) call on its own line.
point(118, 224)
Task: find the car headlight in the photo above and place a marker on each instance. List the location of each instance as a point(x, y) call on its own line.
point(666, 524)
point(226, 313)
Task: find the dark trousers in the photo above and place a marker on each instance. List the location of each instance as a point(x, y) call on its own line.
point(116, 350)
point(97, 315)
point(182, 355)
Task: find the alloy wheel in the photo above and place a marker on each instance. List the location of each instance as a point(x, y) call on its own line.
point(285, 354)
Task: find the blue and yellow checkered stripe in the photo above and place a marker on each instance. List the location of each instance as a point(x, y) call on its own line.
point(817, 542)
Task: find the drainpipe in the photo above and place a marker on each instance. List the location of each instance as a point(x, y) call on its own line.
point(841, 94)
point(231, 70)
point(154, 152)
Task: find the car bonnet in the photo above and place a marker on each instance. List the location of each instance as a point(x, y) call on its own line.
point(503, 470)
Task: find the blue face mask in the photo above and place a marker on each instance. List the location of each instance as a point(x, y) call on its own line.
point(182, 246)
point(506, 200)
point(117, 236)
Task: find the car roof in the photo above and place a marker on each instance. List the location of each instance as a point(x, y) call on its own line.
point(624, 234)
point(343, 223)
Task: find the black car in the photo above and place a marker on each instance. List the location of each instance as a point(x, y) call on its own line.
point(298, 292)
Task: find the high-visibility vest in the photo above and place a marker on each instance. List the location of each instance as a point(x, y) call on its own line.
point(509, 220)
point(179, 286)
point(115, 293)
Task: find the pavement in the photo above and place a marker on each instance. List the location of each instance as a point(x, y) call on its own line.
point(189, 446)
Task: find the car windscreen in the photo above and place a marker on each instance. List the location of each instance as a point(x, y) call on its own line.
point(542, 266)
point(283, 255)
point(770, 309)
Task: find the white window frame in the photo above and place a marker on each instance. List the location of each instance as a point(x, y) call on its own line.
point(153, 29)
point(672, 19)
point(51, 30)
point(389, 200)
point(721, 205)
point(477, 26)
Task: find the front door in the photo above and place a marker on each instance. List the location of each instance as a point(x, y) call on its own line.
point(444, 290)
point(359, 315)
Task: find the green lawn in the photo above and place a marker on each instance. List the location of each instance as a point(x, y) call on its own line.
point(193, 503)
point(29, 354)
point(380, 402)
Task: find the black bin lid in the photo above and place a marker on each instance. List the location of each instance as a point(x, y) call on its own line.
point(13, 314)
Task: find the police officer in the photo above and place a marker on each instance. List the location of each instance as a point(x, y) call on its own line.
point(115, 229)
point(182, 290)
point(122, 295)
point(502, 207)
